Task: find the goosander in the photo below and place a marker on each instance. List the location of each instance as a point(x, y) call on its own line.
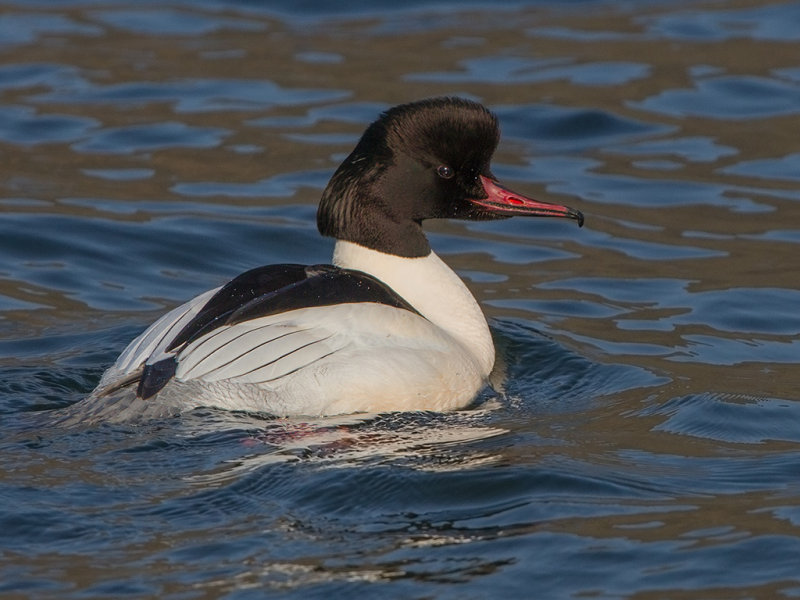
point(387, 327)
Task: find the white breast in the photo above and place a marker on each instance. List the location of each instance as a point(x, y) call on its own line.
point(431, 287)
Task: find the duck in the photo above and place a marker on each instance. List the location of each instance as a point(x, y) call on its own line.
point(388, 326)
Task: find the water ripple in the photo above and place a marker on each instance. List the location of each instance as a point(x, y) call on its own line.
point(26, 28)
point(729, 418)
point(361, 113)
point(731, 97)
point(786, 168)
point(561, 129)
point(170, 21)
point(514, 70)
point(190, 95)
point(154, 136)
point(22, 125)
point(776, 22)
point(644, 405)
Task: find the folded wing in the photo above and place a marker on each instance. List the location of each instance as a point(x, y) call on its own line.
point(252, 330)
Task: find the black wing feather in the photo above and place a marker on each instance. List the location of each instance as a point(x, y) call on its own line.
point(324, 285)
point(236, 293)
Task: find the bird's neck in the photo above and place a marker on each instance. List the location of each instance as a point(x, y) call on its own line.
point(432, 288)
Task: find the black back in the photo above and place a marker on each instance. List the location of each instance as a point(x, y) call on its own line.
point(248, 286)
point(273, 289)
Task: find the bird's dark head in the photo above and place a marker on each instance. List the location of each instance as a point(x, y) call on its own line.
point(423, 160)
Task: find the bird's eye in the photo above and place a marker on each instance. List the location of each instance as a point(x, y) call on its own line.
point(445, 172)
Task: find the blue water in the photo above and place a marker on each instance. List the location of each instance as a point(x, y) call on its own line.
point(642, 439)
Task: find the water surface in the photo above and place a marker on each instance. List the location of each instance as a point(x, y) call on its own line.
point(643, 437)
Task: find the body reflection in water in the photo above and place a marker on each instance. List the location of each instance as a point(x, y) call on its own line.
point(426, 441)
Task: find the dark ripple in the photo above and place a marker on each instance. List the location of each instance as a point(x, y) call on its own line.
point(361, 113)
point(658, 292)
point(190, 95)
point(548, 376)
point(732, 331)
point(560, 128)
point(732, 310)
point(26, 388)
point(21, 125)
point(697, 566)
point(155, 136)
point(26, 28)
point(582, 177)
point(70, 255)
point(283, 185)
point(692, 149)
point(777, 22)
point(731, 418)
point(736, 350)
point(731, 97)
point(514, 70)
point(24, 75)
point(786, 168)
point(172, 21)
point(728, 310)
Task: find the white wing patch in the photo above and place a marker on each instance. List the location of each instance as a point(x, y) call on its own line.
point(156, 338)
point(255, 351)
